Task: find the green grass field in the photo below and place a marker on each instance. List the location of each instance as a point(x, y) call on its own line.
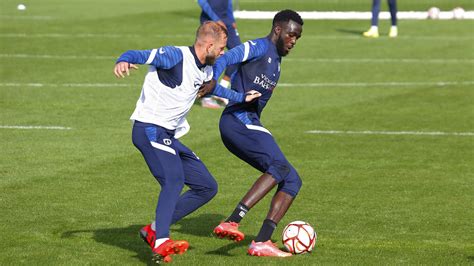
point(79, 196)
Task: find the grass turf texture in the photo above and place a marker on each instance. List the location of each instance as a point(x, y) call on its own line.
point(80, 196)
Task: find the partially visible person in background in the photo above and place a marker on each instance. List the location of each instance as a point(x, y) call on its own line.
point(220, 11)
point(373, 32)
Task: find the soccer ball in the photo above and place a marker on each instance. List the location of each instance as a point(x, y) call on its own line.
point(433, 13)
point(299, 237)
point(458, 13)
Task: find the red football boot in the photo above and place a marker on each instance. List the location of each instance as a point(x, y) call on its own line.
point(266, 249)
point(169, 247)
point(148, 235)
point(229, 230)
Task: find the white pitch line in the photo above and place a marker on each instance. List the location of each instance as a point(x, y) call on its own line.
point(349, 15)
point(63, 57)
point(36, 127)
point(75, 85)
point(245, 37)
point(368, 132)
point(383, 60)
point(321, 60)
point(90, 35)
point(283, 85)
point(378, 84)
point(27, 17)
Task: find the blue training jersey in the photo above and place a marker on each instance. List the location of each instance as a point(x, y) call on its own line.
point(216, 10)
point(258, 69)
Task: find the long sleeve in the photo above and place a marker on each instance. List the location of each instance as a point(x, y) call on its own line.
point(247, 51)
point(228, 94)
point(164, 57)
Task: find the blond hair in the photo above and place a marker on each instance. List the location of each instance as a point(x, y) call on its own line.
point(210, 29)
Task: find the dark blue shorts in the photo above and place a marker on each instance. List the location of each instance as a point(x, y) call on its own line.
point(168, 158)
point(173, 165)
point(256, 146)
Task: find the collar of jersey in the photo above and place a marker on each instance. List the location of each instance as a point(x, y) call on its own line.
point(196, 59)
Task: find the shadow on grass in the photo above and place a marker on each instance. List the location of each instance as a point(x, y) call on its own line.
point(201, 225)
point(128, 237)
point(228, 246)
point(348, 31)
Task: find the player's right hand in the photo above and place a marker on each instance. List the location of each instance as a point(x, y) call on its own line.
point(122, 68)
point(252, 95)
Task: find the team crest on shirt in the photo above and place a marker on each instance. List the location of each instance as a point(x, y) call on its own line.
point(167, 141)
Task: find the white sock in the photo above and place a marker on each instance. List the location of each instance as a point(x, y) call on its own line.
point(160, 241)
point(394, 28)
point(224, 83)
point(374, 28)
point(153, 226)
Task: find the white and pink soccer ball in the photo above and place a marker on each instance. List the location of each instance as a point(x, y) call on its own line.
point(458, 13)
point(299, 237)
point(433, 13)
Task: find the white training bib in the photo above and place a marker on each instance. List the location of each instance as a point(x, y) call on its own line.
point(167, 107)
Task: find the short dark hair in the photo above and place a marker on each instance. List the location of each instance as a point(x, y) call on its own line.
point(287, 15)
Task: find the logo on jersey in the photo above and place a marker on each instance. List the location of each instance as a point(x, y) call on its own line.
point(197, 85)
point(167, 141)
point(264, 82)
point(252, 43)
point(161, 51)
point(269, 60)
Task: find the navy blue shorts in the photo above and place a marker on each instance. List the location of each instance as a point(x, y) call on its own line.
point(167, 157)
point(256, 146)
point(173, 165)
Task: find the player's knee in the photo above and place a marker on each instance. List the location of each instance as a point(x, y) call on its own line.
point(211, 189)
point(296, 179)
point(176, 183)
point(298, 183)
point(279, 170)
point(292, 183)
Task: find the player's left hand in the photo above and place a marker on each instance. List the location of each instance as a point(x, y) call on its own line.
point(206, 88)
point(122, 68)
point(252, 95)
